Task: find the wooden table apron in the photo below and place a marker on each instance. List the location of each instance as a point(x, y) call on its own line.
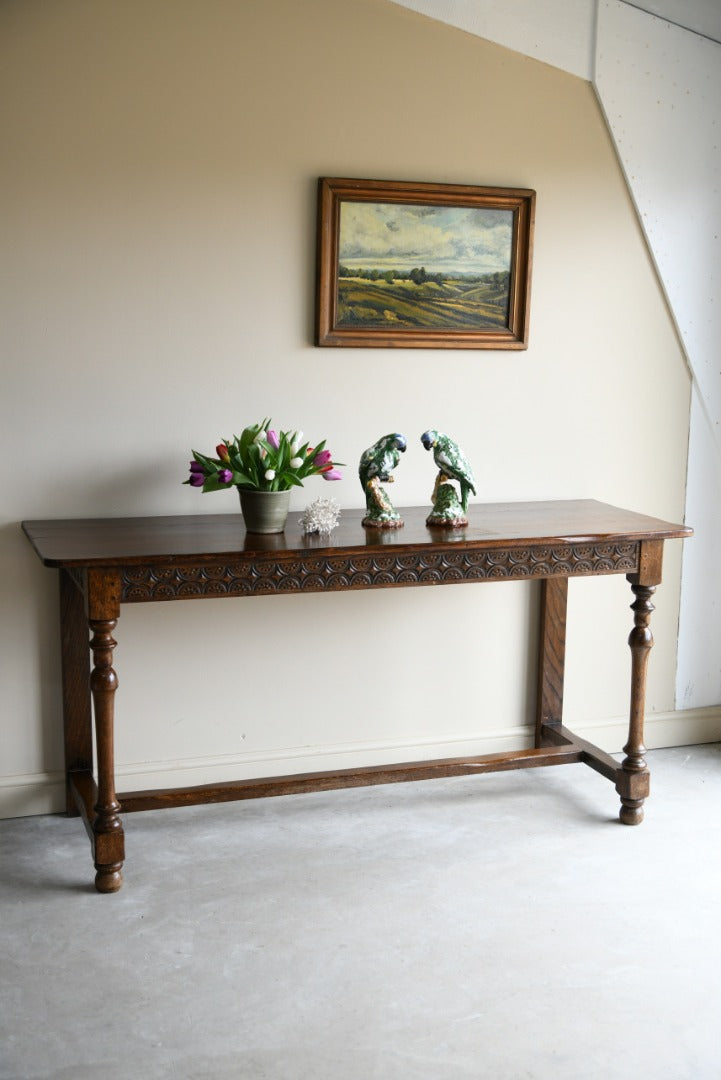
point(104, 564)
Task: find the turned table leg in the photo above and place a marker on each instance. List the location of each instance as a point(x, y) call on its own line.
point(107, 826)
point(633, 780)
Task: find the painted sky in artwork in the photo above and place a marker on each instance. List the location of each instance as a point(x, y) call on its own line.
point(460, 240)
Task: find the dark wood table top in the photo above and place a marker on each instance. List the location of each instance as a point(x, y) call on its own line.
point(114, 542)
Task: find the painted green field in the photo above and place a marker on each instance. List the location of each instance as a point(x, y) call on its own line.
point(450, 305)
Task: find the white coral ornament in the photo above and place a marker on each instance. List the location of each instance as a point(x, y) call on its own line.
point(320, 516)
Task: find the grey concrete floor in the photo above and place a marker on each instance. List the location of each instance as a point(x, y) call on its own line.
point(501, 926)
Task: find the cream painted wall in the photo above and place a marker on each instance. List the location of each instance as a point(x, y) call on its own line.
point(158, 205)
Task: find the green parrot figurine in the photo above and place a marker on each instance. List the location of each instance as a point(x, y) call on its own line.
point(452, 465)
point(375, 468)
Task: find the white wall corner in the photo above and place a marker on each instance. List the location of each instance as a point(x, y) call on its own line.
point(659, 86)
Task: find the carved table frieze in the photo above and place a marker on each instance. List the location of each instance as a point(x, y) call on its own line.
point(265, 576)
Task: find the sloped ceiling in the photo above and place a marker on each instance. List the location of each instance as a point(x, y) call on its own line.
point(701, 16)
point(531, 27)
point(526, 26)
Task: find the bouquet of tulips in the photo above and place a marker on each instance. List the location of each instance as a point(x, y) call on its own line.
point(263, 459)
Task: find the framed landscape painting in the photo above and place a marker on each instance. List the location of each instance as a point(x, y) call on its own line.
point(419, 265)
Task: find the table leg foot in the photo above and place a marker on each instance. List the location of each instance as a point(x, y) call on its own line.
point(108, 850)
point(631, 812)
point(108, 879)
point(633, 785)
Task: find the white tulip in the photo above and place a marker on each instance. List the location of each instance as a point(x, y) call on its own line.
point(296, 462)
point(270, 474)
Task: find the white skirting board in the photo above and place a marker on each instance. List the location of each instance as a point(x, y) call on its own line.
point(44, 793)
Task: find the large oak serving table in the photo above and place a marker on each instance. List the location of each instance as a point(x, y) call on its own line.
point(104, 564)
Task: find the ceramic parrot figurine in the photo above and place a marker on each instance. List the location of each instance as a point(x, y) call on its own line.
point(376, 465)
point(452, 465)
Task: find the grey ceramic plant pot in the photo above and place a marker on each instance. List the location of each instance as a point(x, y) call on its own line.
point(264, 511)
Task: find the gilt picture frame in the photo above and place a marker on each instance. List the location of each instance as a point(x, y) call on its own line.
point(421, 265)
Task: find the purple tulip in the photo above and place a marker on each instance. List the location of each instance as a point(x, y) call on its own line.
point(332, 474)
point(272, 438)
point(322, 458)
point(196, 467)
point(225, 476)
point(197, 479)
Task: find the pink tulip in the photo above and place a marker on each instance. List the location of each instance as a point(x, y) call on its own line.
point(332, 474)
point(273, 439)
point(323, 458)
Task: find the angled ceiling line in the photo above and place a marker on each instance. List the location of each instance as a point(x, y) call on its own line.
point(672, 22)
